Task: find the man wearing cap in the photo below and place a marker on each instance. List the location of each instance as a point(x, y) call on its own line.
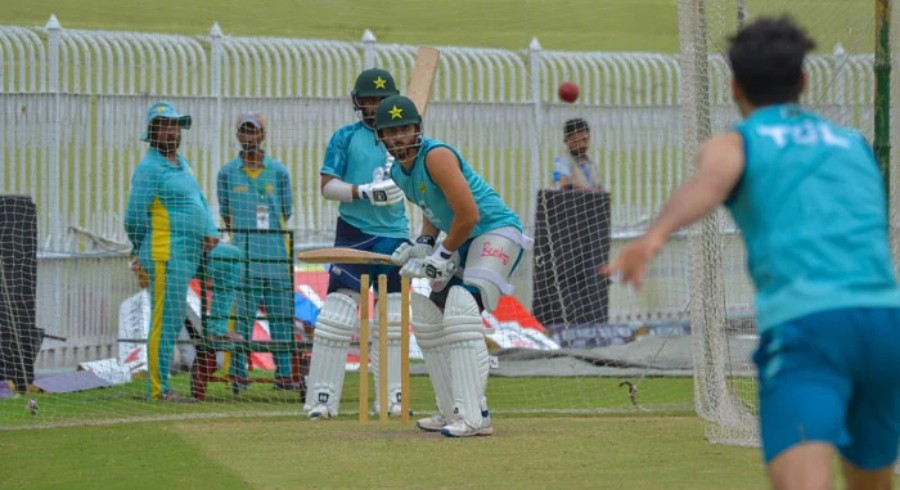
point(576, 170)
point(254, 192)
point(170, 225)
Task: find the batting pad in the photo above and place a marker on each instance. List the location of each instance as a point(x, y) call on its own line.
point(334, 329)
point(428, 321)
point(464, 334)
point(492, 258)
point(393, 353)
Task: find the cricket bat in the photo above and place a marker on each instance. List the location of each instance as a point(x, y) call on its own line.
point(422, 81)
point(341, 255)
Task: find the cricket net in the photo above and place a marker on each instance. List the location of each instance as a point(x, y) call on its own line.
point(845, 34)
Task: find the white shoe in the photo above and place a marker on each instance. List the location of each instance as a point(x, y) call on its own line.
point(433, 424)
point(319, 412)
point(394, 410)
point(461, 428)
point(487, 428)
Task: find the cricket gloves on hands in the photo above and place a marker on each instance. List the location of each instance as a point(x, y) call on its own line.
point(383, 193)
point(440, 267)
point(423, 247)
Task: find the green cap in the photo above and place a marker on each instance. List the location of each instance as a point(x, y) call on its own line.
point(164, 110)
point(374, 82)
point(396, 111)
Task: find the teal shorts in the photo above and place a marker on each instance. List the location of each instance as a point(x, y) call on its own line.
point(833, 377)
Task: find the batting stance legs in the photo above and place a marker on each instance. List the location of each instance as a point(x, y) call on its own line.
point(453, 343)
point(335, 327)
point(337, 322)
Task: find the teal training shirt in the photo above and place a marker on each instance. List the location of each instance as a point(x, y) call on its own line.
point(354, 156)
point(811, 206)
point(166, 212)
point(422, 191)
point(240, 198)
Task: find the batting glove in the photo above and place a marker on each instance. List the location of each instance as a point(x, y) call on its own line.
point(413, 268)
point(423, 247)
point(384, 193)
point(440, 267)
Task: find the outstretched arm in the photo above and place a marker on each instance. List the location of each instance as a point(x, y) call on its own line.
point(720, 164)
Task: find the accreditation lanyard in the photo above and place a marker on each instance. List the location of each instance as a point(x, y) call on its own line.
point(260, 184)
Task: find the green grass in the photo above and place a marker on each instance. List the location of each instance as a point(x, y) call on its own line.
point(573, 25)
point(507, 396)
point(564, 452)
point(650, 452)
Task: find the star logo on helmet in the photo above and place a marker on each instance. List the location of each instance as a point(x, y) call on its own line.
point(160, 108)
point(396, 112)
point(380, 82)
point(422, 188)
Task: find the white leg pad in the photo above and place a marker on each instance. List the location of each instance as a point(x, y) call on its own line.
point(334, 329)
point(428, 323)
point(491, 259)
point(393, 353)
point(464, 334)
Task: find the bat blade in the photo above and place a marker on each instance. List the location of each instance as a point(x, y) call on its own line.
point(422, 81)
point(341, 255)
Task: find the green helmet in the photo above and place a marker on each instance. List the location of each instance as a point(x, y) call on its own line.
point(374, 82)
point(396, 111)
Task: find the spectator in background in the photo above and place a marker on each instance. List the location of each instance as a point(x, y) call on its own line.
point(576, 170)
point(254, 193)
point(169, 224)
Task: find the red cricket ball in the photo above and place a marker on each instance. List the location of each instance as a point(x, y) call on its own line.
point(568, 91)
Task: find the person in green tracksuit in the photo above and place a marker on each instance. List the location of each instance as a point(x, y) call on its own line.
point(169, 224)
point(255, 197)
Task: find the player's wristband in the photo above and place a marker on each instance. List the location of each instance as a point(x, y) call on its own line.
point(443, 253)
point(427, 240)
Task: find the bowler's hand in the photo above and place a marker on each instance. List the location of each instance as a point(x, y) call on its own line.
point(210, 242)
point(629, 266)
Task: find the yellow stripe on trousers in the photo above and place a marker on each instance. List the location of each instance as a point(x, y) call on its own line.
point(156, 329)
point(226, 361)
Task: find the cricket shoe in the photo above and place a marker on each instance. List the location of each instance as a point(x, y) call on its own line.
point(318, 412)
point(238, 387)
point(460, 428)
point(172, 397)
point(433, 424)
point(395, 410)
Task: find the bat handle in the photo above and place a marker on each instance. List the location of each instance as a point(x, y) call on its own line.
point(383, 172)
